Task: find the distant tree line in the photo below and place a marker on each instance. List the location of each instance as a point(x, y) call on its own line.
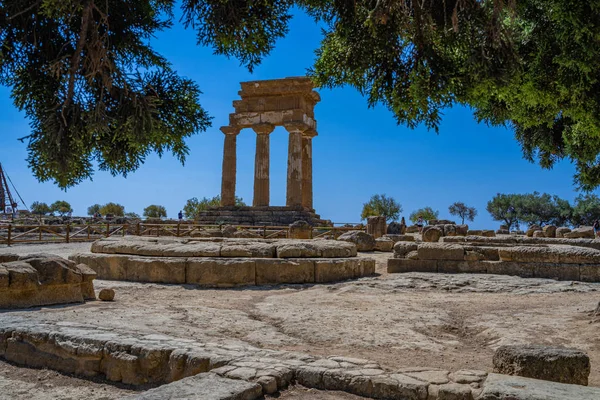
point(543, 209)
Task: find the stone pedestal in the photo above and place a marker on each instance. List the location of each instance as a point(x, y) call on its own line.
point(300, 230)
point(376, 226)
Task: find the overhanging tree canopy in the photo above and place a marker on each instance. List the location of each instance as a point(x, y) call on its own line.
point(532, 65)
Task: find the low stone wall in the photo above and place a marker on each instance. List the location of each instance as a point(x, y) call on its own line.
point(521, 240)
point(188, 366)
point(552, 262)
point(225, 271)
point(224, 247)
point(39, 280)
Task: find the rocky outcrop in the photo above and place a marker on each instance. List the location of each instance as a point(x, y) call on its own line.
point(40, 279)
point(376, 226)
point(560, 232)
point(542, 362)
point(362, 240)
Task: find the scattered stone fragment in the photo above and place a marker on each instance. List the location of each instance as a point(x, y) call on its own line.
point(362, 240)
point(106, 295)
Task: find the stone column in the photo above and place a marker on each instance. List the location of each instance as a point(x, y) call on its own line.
point(294, 171)
point(307, 183)
point(229, 166)
point(261, 165)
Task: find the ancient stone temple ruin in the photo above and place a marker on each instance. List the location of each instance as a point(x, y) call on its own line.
point(265, 105)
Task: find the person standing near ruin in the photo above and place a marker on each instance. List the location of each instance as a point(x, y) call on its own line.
point(420, 223)
point(596, 228)
point(402, 226)
point(180, 215)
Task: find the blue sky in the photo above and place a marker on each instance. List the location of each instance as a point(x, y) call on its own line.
point(359, 151)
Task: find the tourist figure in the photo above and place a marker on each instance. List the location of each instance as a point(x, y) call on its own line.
point(596, 228)
point(402, 226)
point(420, 224)
point(180, 215)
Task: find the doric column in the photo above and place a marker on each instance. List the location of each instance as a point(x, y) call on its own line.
point(261, 165)
point(294, 171)
point(307, 183)
point(229, 166)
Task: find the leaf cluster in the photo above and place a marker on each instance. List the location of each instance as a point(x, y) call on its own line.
point(193, 206)
point(427, 213)
point(155, 211)
point(383, 206)
point(463, 211)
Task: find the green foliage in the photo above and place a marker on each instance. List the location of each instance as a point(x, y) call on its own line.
point(112, 208)
point(194, 206)
point(74, 69)
point(531, 208)
point(93, 209)
point(463, 211)
point(155, 211)
point(61, 207)
point(383, 206)
point(39, 208)
point(427, 213)
point(586, 210)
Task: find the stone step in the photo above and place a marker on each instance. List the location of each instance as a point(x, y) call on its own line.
point(205, 386)
point(504, 387)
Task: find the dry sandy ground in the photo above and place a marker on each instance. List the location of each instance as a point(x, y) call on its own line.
point(399, 320)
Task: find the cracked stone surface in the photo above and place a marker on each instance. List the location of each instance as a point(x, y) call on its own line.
point(396, 321)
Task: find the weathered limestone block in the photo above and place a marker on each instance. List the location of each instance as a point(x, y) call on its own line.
point(333, 270)
point(462, 230)
point(401, 249)
point(248, 249)
point(401, 265)
point(523, 270)
point(300, 230)
point(461, 267)
point(412, 229)
point(157, 247)
point(561, 272)
point(504, 387)
point(206, 386)
point(376, 226)
point(474, 255)
point(488, 233)
point(440, 251)
point(400, 238)
point(362, 240)
point(106, 266)
point(539, 234)
point(40, 279)
point(542, 362)
point(553, 254)
point(161, 270)
point(589, 273)
point(396, 228)
point(560, 232)
point(220, 272)
point(586, 232)
point(449, 230)
point(531, 229)
point(550, 231)
point(432, 234)
point(276, 271)
point(384, 244)
point(474, 232)
point(316, 248)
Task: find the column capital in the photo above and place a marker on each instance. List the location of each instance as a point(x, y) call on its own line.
point(263, 128)
point(230, 130)
point(294, 126)
point(309, 133)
